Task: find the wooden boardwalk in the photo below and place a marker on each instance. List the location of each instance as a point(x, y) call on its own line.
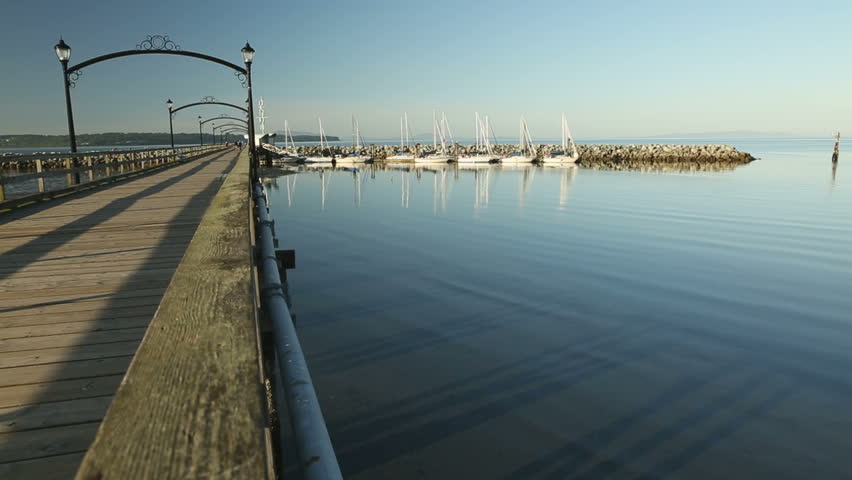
point(80, 280)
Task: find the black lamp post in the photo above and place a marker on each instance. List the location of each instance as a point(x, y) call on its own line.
point(63, 53)
point(214, 133)
point(171, 104)
point(248, 57)
point(200, 135)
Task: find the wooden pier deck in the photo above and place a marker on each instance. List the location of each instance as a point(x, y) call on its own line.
point(80, 280)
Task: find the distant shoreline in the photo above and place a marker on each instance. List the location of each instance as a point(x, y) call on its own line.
point(124, 139)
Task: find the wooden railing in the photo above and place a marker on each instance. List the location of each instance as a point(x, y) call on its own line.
point(30, 177)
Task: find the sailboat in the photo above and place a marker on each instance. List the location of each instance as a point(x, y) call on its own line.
point(440, 155)
point(404, 141)
point(289, 154)
point(357, 145)
point(321, 158)
point(526, 150)
point(563, 156)
point(484, 153)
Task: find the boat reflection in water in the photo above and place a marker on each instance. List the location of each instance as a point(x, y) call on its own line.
point(479, 178)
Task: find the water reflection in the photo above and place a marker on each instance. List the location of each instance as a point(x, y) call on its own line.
point(833, 173)
point(480, 178)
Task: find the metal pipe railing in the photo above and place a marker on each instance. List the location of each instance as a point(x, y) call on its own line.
point(313, 444)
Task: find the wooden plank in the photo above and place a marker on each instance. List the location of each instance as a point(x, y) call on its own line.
point(62, 329)
point(7, 304)
point(42, 314)
point(56, 282)
point(86, 290)
point(57, 467)
point(54, 391)
point(99, 267)
point(71, 339)
point(67, 354)
point(46, 442)
point(208, 417)
point(54, 414)
point(105, 317)
point(32, 374)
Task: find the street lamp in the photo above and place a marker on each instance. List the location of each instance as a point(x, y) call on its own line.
point(200, 135)
point(171, 104)
point(63, 53)
point(248, 57)
point(214, 133)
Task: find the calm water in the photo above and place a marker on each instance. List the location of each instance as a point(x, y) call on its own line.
point(517, 323)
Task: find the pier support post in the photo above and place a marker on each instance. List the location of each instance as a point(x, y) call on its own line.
point(40, 169)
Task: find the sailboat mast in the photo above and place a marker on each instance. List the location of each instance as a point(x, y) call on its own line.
point(407, 131)
point(448, 132)
point(478, 128)
point(434, 131)
point(322, 134)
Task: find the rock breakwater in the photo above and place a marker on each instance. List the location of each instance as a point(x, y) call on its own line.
point(593, 156)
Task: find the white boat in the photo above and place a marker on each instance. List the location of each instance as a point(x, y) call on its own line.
point(441, 154)
point(404, 140)
point(320, 159)
point(484, 153)
point(526, 150)
point(567, 141)
point(357, 145)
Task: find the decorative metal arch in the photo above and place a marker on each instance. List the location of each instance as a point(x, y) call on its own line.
point(175, 110)
point(160, 45)
point(225, 117)
point(231, 125)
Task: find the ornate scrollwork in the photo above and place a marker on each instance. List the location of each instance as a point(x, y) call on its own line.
point(208, 99)
point(73, 77)
point(241, 78)
point(158, 42)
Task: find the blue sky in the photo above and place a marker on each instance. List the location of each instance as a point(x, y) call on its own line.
point(616, 68)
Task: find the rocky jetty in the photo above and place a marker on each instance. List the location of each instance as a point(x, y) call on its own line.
point(616, 157)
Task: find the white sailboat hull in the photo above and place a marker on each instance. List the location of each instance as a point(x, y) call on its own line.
point(517, 159)
point(476, 158)
point(352, 159)
point(433, 159)
point(559, 159)
point(406, 156)
point(315, 160)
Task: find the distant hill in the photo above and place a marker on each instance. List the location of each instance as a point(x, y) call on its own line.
point(105, 139)
point(305, 137)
